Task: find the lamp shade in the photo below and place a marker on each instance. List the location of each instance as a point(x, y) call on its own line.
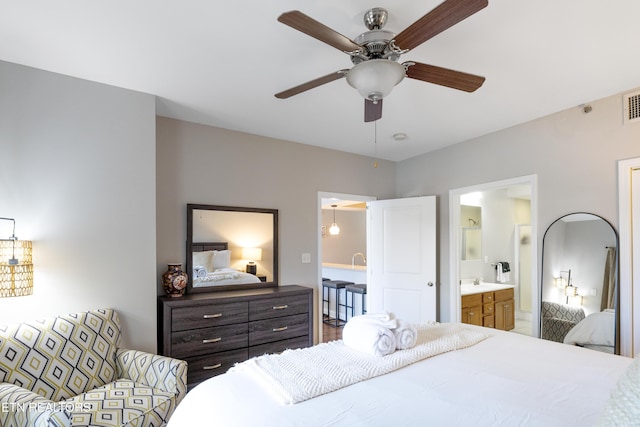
point(252, 254)
point(16, 268)
point(374, 79)
point(571, 291)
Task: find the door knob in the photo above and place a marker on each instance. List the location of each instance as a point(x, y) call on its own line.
point(430, 284)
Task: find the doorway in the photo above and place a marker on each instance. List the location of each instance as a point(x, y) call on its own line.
point(510, 241)
point(339, 252)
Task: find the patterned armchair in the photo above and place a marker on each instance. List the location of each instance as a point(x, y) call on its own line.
point(69, 370)
point(558, 320)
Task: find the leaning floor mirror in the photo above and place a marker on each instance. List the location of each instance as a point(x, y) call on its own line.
point(580, 283)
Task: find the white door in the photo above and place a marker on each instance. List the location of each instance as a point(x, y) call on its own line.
point(401, 245)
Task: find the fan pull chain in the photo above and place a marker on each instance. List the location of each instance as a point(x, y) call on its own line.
point(375, 142)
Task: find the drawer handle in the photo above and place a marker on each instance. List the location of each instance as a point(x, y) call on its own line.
point(212, 316)
point(211, 340)
point(284, 328)
point(280, 307)
point(216, 366)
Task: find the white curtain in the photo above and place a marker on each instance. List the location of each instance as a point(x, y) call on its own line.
point(609, 282)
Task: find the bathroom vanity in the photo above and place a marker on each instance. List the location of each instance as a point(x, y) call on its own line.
point(488, 304)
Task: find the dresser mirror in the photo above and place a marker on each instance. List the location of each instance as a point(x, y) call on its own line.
point(231, 247)
point(579, 301)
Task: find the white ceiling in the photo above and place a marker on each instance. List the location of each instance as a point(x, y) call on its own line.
point(220, 63)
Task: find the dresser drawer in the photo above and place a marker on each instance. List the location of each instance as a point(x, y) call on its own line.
point(471, 300)
point(269, 330)
point(279, 346)
point(203, 367)
point(488, 321)
point(203, 316)
point(504, 295)
point(487, 297)
point(208, 340)
point(488, 309)
point(278, 307)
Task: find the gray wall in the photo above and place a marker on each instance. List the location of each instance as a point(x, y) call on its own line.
point(574, 155)
point(78, 175)
point(352, 238)
point(202, 164)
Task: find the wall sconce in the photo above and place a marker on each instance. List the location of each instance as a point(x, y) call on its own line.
point(560, 282)
point(572, 295)
point(563, 280)
point(252, 255)
point(334, 230)
point(16, 265)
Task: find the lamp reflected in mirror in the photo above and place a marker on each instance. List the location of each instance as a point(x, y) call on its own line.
point(252, 255)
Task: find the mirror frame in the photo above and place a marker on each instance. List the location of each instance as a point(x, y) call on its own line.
point(189, 253)
point(617, 274)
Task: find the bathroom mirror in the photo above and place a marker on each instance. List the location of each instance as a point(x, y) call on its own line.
point(231, 247)
point(471, 232)
point(579, 299)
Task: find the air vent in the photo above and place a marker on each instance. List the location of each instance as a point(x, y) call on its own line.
point(631, 106)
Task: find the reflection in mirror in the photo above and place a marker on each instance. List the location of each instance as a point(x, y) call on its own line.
point(471, 232)
point(579, 282)
point(231, 248)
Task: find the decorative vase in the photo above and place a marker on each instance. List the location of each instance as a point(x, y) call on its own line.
point(174, 280)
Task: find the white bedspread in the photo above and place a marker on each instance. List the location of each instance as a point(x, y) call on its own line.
point(505, 380)
point(595, 329)
point(301, 374)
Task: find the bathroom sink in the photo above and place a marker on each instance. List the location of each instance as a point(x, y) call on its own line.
point(470, 288)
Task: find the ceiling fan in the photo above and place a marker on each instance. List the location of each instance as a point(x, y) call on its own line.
point(375, 53)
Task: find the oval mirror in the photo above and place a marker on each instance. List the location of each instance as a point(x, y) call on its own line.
point(579, 282)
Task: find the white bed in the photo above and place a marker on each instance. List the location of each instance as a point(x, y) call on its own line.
point(211, 266)
point(504, 380)
point(596, 331)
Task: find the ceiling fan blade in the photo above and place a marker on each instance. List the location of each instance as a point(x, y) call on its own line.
point(311, 84)
point(301, 22)
point(444, 16)
point(372, 112)
point(445, 77)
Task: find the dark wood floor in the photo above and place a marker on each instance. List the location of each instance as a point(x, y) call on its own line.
point(331, 333)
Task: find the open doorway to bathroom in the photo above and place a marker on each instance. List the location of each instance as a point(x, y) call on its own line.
point(492, 235)
point(342, 257)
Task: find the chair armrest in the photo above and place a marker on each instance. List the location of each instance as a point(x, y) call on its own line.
point(20, 407)
point(555, 329)
point(161, 372)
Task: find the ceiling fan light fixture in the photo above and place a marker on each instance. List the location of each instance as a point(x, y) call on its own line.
point(374, 79)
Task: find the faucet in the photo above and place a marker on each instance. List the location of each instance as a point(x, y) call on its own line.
point(476, 281)
point(353, 259)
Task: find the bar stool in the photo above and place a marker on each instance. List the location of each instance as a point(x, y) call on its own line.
point(337, 286)
point(356, 289)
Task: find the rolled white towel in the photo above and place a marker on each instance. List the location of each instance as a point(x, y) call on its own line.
point(369, 336)
point(387, 320)
point(199, 272)
point(406, 335)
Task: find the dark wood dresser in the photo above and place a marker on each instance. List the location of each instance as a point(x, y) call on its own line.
point(213, 331)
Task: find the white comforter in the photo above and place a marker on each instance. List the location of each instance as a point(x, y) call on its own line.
point(595, 329)
point(505, 380)
point(224, 276)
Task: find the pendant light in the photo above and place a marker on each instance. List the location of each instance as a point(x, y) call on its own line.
point(334, 230)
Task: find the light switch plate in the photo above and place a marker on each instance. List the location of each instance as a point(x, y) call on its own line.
point(306, 258)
